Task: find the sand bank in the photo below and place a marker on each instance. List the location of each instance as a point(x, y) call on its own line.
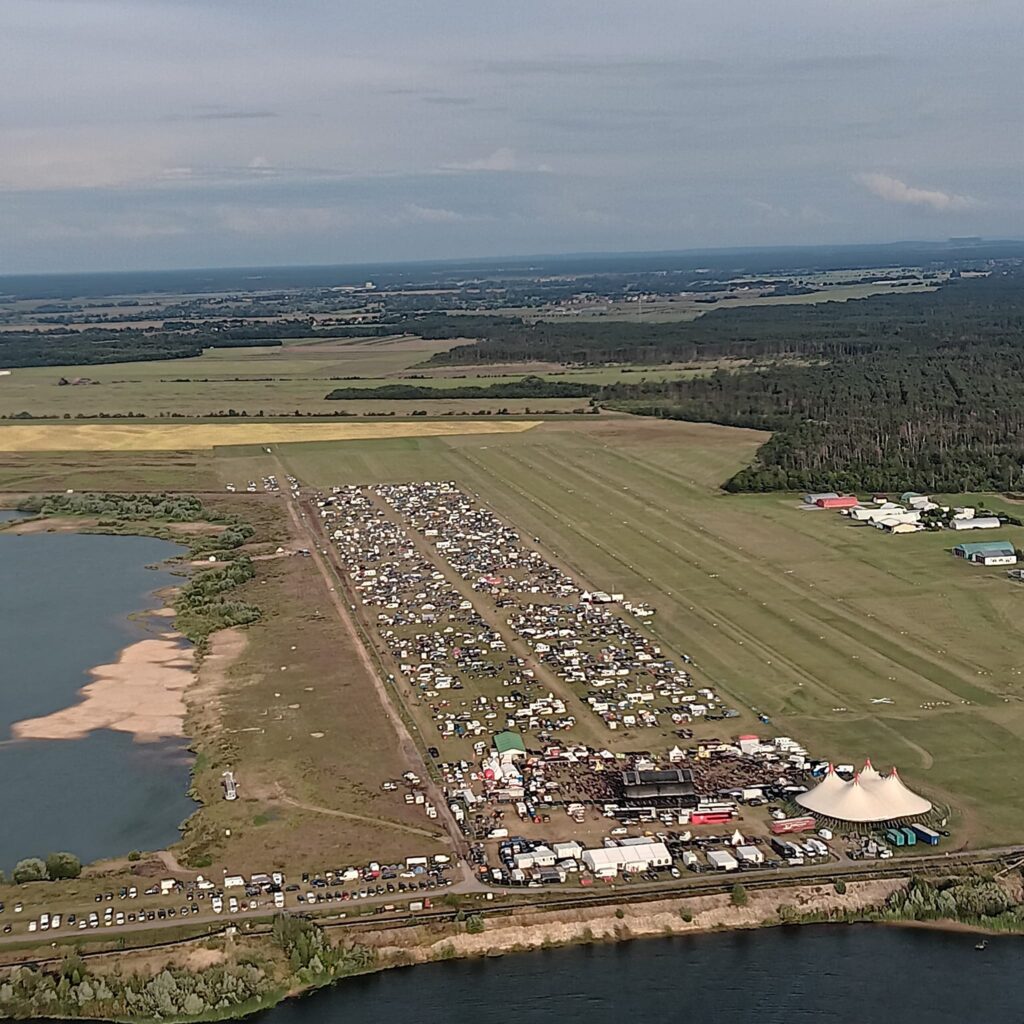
point(142, 693)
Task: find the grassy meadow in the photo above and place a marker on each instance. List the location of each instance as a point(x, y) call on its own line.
point(798, 615)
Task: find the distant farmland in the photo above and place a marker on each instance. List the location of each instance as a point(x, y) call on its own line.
point(152, 437)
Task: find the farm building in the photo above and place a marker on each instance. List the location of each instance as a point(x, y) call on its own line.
point(813, 499)
point(989, 552)
point(868, 797)
point(975, 523)
point(839, 501)
point(898, 526)
point(885, 513)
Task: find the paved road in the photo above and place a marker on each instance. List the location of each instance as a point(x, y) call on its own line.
point(621, 892)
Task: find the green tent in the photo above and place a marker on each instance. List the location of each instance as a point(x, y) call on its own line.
point(506, 741)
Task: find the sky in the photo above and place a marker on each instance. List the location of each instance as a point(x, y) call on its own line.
point(194, 133)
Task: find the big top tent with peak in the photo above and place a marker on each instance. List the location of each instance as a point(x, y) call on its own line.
point(868, 797)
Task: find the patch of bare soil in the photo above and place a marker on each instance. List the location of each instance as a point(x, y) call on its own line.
point(52, 524)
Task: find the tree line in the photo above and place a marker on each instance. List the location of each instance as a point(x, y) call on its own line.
point(528, 387)
point(948, 420)
point(961, 312)
point(176, 339)
point(299, 955)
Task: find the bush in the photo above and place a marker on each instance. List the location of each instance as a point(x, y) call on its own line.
point(63, 865)
point(134, 855)
point(474, 924)
point(32, 869)
point(840, 886)
point(620, 913)
point(739, 896)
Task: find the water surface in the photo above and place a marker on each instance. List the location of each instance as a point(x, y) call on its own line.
point(65, 606)
point(826, 974)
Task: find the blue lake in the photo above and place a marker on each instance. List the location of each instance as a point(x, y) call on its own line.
point(822, 974)
point(66, 602)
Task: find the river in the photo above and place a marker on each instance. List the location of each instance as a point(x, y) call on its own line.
point(65, 606)
point(835, 974)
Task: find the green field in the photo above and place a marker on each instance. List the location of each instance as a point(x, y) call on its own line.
point(796, 614)
point(281, 380)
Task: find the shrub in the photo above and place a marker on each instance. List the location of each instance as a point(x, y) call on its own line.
point(840, 886)
point(474, 924)
point(739, 896)
point(63, 865)
point(32, 869)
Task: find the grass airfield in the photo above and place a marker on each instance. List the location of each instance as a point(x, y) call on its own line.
point(798, 615)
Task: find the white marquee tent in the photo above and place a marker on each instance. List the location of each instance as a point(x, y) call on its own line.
point(869, 796)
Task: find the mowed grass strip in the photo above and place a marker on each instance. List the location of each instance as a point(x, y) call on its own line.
point(150, 437)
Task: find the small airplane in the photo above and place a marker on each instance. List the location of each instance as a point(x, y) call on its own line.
point(881, 700)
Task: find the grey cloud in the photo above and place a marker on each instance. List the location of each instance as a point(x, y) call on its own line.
point(135, 134)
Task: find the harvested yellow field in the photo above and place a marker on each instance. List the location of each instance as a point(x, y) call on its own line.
point(157, 437)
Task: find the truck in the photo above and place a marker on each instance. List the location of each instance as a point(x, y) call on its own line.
point(783, 826)
point(926, 834)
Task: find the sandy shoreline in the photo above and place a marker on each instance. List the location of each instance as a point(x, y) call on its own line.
point(142, 693)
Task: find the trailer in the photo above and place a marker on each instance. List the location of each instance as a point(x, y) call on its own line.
point(710, 817)
point(896, 837)
point(910, 835)
point(926, 834)
point(786, 825)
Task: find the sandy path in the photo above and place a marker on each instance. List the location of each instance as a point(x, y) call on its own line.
point(381, 822)
point(142, 693)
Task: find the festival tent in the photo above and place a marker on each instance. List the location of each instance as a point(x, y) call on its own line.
point(868, 797)
point(903, 802)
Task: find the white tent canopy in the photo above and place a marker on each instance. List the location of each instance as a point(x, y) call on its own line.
point(870, 796)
